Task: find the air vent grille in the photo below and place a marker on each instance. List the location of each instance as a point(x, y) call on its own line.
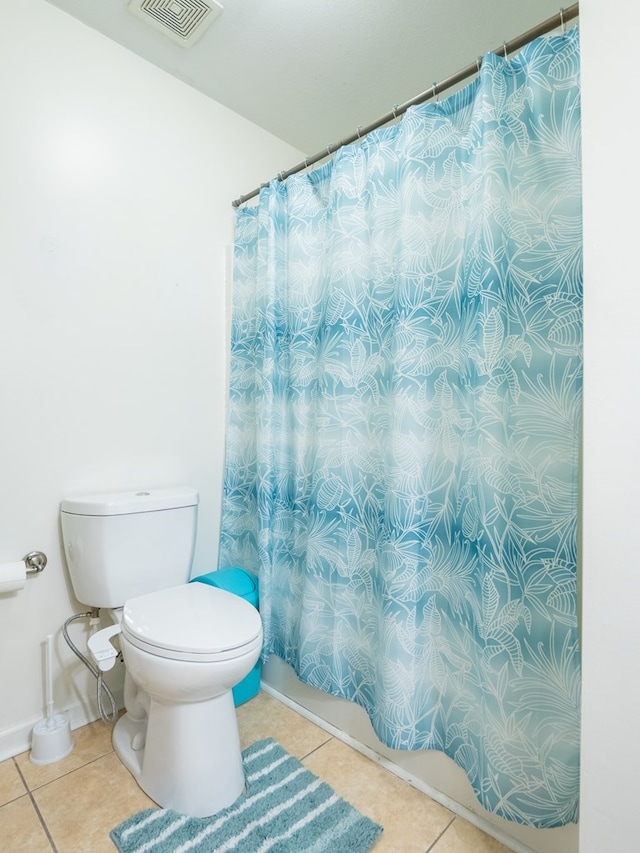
point(182, 20)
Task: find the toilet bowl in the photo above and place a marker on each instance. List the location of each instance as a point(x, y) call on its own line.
point(185, 648)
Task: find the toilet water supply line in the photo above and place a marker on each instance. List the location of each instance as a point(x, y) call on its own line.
point(108, 717)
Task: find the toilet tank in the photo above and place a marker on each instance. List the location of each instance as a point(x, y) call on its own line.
point(123, 544)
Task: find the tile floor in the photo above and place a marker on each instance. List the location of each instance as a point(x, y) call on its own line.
point(44, 808)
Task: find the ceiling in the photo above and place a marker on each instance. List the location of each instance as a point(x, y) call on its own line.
point(312, 72)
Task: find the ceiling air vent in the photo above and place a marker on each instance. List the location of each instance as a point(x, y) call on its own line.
point(184, 21)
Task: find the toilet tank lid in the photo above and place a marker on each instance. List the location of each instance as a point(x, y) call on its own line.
point(128, 503)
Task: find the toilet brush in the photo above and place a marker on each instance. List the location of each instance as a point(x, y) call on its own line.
point(51, 737)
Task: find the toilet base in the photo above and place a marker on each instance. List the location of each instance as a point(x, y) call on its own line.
point(185, 757)
point(126, 733)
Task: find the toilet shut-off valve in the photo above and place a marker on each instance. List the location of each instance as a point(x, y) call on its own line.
point(102, 651)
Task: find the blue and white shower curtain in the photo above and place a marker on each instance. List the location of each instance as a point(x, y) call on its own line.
point(402, 452)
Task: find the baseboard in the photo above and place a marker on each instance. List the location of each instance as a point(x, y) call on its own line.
point(16, 740)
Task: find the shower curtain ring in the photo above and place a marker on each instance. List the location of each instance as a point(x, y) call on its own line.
point(504, 47)
point(563, 23)
point(435, 93)
point(359, 131)
point(479, 63)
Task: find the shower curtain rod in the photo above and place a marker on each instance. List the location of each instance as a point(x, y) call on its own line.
point(508, 47)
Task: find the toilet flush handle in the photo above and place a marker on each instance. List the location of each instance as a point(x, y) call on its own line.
point(102, 651)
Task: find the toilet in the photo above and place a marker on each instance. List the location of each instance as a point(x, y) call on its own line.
point(185, 646)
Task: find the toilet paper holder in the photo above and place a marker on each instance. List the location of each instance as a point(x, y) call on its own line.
point(35, 561)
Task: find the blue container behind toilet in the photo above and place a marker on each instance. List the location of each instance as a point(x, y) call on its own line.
point(242, 583)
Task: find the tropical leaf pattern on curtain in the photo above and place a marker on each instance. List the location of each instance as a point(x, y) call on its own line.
point(402, 453)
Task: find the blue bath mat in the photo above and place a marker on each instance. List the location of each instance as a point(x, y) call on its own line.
point(285, 809)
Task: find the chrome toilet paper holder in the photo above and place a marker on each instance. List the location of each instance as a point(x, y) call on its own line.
point(35, 561)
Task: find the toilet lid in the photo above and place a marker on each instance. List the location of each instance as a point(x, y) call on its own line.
point(191, 620)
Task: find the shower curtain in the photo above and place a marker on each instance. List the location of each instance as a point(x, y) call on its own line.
point(404, 422)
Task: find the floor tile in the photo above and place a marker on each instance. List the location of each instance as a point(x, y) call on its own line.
point(263, 716)
point(89, 742)
point(11, 785)
point(463, 837)
point(92, 781)
point(411, 821)
point(21, 830)
point(103, 789)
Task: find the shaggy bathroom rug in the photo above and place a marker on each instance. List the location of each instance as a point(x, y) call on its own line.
point(285, 809)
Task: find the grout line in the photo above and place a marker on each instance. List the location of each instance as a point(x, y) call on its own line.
point(35, 806)
point(39, 785)
point(44, 823)
point(316, 748)
point(23, 780)
point(433, 844)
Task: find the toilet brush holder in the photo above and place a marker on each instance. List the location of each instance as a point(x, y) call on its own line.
point(51, 737)
point(51, 740)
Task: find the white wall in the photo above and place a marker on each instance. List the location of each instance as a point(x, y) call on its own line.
point(116, 184)
point(611, 561)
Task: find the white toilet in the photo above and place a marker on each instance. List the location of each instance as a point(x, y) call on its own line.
point(184, 645)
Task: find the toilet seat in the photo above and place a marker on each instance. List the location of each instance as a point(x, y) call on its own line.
point(192, 622)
